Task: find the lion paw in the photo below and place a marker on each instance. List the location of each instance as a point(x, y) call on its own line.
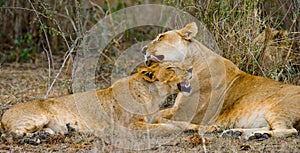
point(248, 134)
point(232, 134)
point(259, 136)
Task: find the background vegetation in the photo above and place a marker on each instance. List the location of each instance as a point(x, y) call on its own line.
point(261, 36)
point(36, 31)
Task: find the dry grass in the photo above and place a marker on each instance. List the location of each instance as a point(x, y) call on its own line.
point(27, 82)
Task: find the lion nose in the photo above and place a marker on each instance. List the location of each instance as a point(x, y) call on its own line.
point(144, 49)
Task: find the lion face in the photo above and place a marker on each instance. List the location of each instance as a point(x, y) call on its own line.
point(168, 77)
point(171, 45)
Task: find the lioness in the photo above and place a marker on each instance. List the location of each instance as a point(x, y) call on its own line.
point(147, 87)
point(250, 106)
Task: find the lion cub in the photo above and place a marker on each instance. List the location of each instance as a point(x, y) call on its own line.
point(128, 102)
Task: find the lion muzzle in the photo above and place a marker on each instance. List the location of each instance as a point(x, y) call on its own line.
point(184, 87)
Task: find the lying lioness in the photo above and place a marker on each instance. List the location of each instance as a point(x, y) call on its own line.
point(146, 88)
point(251, 106)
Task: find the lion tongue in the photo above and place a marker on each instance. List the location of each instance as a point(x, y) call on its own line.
point(157, 58)
point(184, 87)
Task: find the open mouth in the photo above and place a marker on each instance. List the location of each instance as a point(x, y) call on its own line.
point(156, 58)
point(184, 87)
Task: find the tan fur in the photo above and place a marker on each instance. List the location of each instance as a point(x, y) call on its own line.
point(249, 104)
point(147, 87)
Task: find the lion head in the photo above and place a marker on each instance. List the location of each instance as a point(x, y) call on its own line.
point(171, 45)
point(168, 77)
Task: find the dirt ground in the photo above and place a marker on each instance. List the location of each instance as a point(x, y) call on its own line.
point(20, 83)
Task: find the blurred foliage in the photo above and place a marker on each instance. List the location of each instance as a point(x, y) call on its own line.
point(237, 26)
point(29, 29)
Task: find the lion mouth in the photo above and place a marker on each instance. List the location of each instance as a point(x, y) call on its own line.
point(184, 87)
point(156, 58)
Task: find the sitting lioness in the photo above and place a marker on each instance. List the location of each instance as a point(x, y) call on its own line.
point(228, 98)
point(147, 88)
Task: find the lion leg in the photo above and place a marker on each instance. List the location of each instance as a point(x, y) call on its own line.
point(281, 119)
point(259, 133)
point(32, 116)
point(182, 124)
point(21, 124)
point(57, 126)
point(209, 129)
point(25, 118)
point(152, 133)
point(274, 133)
point(170, 112)
point(244, 133)
point(167, 127)
point(278, 128)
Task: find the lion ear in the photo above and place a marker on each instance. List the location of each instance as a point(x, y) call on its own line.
point(189, 31)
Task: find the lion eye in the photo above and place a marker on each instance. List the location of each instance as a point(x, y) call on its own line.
point(190, 70)
point(170, 68)
point(160, 37)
